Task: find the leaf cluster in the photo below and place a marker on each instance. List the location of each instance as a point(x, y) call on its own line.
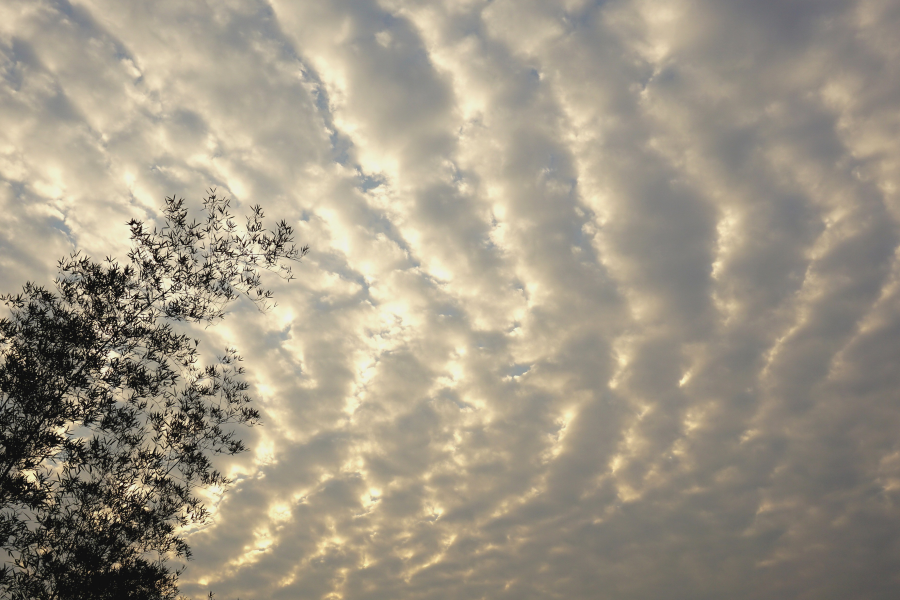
point(108, 416)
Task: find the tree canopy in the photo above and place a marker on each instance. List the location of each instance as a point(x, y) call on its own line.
point(110, 418)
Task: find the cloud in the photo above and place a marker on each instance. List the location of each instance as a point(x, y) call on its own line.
point(603, 297)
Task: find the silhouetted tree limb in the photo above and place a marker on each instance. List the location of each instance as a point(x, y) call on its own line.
point(108, 421)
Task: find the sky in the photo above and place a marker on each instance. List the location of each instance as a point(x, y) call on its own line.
point(603, 298)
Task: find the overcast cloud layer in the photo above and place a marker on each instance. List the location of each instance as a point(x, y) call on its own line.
point(603, 299)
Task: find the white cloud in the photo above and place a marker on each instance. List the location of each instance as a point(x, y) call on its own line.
point(603, 296)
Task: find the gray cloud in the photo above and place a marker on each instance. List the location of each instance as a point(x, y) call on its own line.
point(604, 298)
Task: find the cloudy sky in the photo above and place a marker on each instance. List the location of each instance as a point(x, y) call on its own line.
point(603, 299)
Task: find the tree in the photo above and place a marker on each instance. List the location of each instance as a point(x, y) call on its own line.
point(108, 418)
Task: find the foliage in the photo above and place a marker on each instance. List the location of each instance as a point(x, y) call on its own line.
point(109, 420)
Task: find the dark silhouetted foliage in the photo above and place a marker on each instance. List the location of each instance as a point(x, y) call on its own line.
point(108, 420)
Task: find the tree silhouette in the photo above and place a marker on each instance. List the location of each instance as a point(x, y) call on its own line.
point(108, 417)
